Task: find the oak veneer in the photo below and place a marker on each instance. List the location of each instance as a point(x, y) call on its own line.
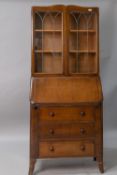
point(66, 89)
point(66, 129)
point(66, 101)
point(66, 149)
point(74, 113)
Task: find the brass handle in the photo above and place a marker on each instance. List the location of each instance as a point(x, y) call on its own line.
point(82, 131)
point(82, 148)
point(82, 113)
point(52, 148)
point(52, 114)
point(51, 131)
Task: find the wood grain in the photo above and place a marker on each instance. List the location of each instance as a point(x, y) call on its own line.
point(81, 113)
point(66, 90)
point(66, 130)
point(66, 149)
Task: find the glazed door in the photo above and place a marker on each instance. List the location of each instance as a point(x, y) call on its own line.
point(83, 40)
point(48, 40)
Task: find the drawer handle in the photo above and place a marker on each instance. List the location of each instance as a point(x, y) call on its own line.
point(52, 148)
point(51, 131)
point(82, 148)
point(82, 131)
point(51, 114)
point(82, 113)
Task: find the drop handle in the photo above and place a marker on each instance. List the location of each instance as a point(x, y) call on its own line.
point(51, 114)
point(82, 113)
point(51, 131)
point(52, 149)
point(82, 148)
point(82, 131)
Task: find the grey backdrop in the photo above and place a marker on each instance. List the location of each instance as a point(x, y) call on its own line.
point(15, 63)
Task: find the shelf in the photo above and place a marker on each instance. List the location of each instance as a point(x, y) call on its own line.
point(82, 51)
point(48, 51)
point(80, 31)
point(83, 73)
point(83, 31)
point(40, 30)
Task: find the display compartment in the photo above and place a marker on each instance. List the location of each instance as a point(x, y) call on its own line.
point(83, 21)
point(82, 63)
point(48, 63)
point(48, 20)
point(48, 42)
point(82, 42)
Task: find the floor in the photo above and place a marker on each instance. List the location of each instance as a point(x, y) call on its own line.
point(14, 161)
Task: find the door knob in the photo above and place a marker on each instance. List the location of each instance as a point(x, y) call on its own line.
point(82, 113)
point(52, 114)
point(51, 131)
point(82, 147)
point(52, 148)
point(82, 131)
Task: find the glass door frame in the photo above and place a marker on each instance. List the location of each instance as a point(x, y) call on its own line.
point(83, 9)
point(50, 9)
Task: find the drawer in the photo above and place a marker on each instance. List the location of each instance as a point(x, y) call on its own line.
point(66, 130)
point(82, 113)
point(66, 149)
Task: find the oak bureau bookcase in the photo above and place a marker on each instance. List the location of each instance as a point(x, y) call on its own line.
point(66, 94)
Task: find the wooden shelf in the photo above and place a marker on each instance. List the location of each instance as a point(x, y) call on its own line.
point(80, 31)
point(40, 30)
point(83, 31)
point(82, 51)
point(48, 51)
point(83, 73)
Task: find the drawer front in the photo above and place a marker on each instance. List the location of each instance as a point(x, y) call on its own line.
point(63, 130)
point(83, 113)
point(66, 149)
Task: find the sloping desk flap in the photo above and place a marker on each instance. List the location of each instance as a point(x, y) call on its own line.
point(66, 90)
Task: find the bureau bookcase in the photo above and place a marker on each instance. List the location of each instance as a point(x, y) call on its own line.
point(66, 113)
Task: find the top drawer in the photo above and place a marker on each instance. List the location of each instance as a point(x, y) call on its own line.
point(82, 113)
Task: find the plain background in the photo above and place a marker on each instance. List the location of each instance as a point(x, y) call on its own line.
point(15, 64)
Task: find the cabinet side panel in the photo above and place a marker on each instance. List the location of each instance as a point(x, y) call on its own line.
point(33, 132)
point(99, 133)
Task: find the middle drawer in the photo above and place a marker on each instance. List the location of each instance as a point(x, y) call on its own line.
point(79, 113)
point(66, 130)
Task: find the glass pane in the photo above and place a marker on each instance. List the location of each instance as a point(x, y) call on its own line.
point(82, 42)
point(48, 46)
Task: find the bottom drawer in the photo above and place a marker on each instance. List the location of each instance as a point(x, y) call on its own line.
point(65, 149)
